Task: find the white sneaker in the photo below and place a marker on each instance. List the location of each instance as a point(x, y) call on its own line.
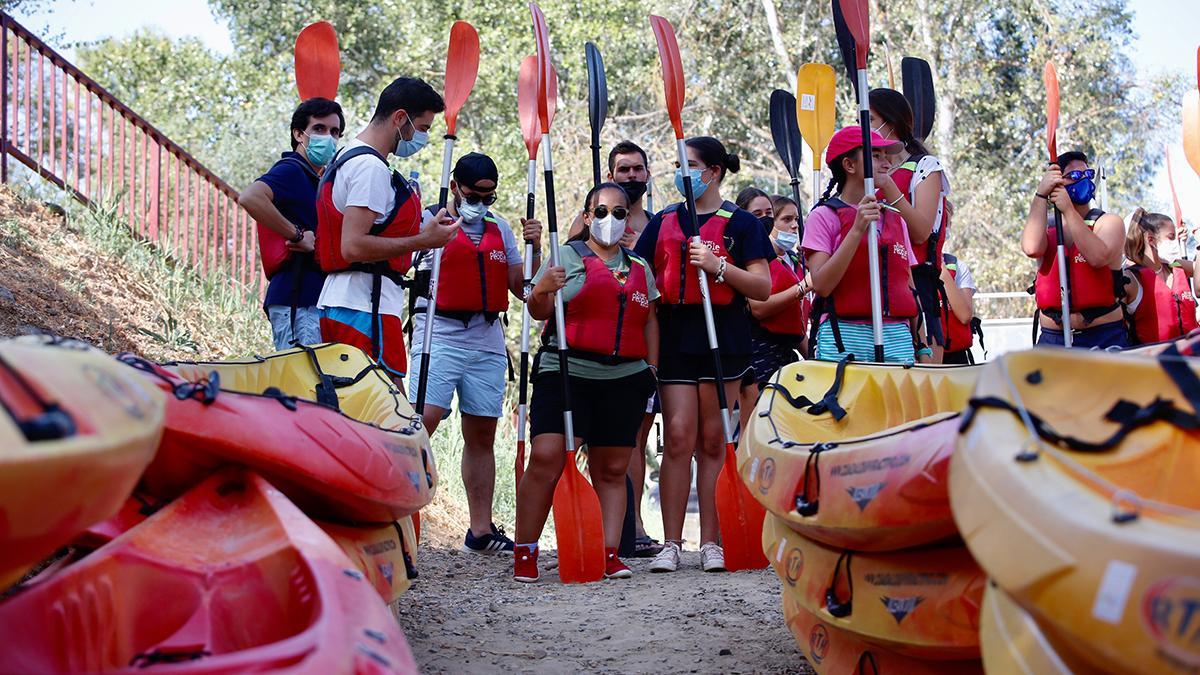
point(712, 557)
point(667, 559)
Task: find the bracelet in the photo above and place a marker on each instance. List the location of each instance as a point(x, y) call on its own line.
point(924, 351)
point(299, 236)
point(720, 276)
point(897, 200)
point(1046, 197)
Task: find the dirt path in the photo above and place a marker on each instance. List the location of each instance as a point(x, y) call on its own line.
point(465, 614)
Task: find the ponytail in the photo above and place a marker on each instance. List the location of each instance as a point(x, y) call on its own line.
point(838, 173)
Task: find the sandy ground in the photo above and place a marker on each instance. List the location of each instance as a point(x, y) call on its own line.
point(465, 614)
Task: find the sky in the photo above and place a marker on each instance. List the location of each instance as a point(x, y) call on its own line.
point(1166, 42)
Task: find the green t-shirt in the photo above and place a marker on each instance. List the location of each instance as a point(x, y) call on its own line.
point(584, 368)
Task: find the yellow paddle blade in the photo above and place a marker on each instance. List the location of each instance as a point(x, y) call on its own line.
point(815, 107)
point(1191, 129)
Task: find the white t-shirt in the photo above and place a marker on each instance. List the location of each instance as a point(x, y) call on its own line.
point(366, 182)
point(963, 277)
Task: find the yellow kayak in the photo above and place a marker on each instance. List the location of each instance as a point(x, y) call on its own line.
point(78, 429)
point(1091, 525)
point(856, 455)
point(1013, 644)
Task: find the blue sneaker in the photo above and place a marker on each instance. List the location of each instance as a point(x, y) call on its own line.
point(493, 543)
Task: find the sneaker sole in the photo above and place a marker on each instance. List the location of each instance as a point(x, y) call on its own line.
point(662, 570)
point(625, 574)
point(715, 569)
point(467, 549)
point(526, 580)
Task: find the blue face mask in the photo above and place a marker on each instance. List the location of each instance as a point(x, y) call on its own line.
point(787, 240)
point(698, 186)
point(407, 147)
point(319, 149)
point(1081, 191)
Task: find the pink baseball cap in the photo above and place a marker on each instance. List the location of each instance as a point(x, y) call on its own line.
point(849, 138)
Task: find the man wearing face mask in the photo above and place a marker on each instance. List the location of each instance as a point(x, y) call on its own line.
point(1094, 247)
point(283, 204)
point(628, 167)
point(370, 225)
point(481, 265)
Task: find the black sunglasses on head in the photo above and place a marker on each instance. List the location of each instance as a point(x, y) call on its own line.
point(619, 212)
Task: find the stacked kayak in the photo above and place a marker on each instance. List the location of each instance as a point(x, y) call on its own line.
point(77, 431)
point(1075, 487)
point(342, 443)
point(851, 461)
point(231, 577)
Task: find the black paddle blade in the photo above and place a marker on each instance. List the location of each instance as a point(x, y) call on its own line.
point(846, 46)
point(785, 131)
point(597, 91)
point(918, 89)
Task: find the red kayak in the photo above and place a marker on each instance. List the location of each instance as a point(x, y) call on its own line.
point(332, 459)
point(231, 577)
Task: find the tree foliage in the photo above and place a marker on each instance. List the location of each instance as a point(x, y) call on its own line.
point(987, 56)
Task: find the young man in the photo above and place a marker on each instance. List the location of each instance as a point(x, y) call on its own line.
point(628, 167)
point(283, 202)
point(370, 224)
point(1094, 248)
point(481, 265)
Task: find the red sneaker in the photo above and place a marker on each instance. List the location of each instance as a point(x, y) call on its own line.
point(613, 567)
point(525, 567)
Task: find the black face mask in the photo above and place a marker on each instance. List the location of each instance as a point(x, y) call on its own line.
point(635, 189)
point(768, 223)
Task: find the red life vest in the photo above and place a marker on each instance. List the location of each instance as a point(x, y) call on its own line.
point(958, 334)
point(851, 298)
point(403, 221)
point(678, 282)
point(1166, 312)
point(608, 318)
point(474, 278)
point(791, 320)
point(932, 250)
point(1092, 288)
point(272, 246)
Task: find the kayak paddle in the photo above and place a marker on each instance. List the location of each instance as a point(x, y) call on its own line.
point(1102, 176)
point(1050, 78)
point(918, 89)
point(845, 45)
point(816, 113)
point(462, 66)
point(597, 104)
point(318, 64)
point(785, 131)
point(739, 515)
point(578, 523)
point(857, 18)
point(1180, 228)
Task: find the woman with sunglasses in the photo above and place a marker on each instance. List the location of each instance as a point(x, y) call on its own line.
point(1161, 301)
point(733, 250)
point(612, 350)
point(1095, 241)
point(918, 191)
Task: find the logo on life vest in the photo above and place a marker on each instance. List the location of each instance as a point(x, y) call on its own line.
point(901, 607)
point(899, 250)
point(795, 565)
point(1171, 612)
point(1079, 258)
point(641, 299)
point(498, 256)
point(818, 643)
point(862, 495)
point(766, 475)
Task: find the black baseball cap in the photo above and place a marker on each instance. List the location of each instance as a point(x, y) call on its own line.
point(474, 167)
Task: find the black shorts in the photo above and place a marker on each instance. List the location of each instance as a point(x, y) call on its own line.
point(772, 352)
point(960, 358)
point(929, 294)
point(677, 368)
point(606, 413)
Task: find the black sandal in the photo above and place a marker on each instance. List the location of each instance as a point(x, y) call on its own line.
point(646, 547)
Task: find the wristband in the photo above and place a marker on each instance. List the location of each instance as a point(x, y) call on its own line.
point(924, 351)
point(720, 276)
point(299, 236)
point(1046, 197)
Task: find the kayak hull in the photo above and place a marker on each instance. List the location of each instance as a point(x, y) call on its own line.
point(1012, 643)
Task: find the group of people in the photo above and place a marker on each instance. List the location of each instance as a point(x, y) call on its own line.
point(340, 232)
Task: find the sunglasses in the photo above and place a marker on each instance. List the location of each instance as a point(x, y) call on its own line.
point(472, 198)
point(1076, 176)
point(619, 212)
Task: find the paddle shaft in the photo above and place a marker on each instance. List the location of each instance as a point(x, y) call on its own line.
point(1062, 279)
point(690, 198)
point(435, 273)
point(527, 274)
point(595, 164)
point(560, 323)
point(864, 121)
point(1102, 173)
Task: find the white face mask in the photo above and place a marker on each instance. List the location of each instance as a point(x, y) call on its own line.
point(472, 213)
point(607, 231)
point(1169, 251)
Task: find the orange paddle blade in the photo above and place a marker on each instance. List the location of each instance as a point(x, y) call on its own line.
point(672, 70)
point(318, 64)
point(1174, 197)
point(816, 107)
point(462, 67)
point(857, 14)
point(1050, 78)
point(1191, 129)
point(578, 527)
point(527, 105)
point(740, 517)
point(541, 36)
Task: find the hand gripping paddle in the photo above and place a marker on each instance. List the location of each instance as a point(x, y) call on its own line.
point(1050, 79)
point(597, 104)
point(785, 131)
point(918, 89)
point(318, 64)
point(857, 18)
point(578, 523)
point(816, 114)
point(462, 67)
point(740, 516)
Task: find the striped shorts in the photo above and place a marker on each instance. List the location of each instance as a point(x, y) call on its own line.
point(858, 339)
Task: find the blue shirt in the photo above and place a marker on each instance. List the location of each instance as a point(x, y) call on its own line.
point(294, 186)
point(682, 327)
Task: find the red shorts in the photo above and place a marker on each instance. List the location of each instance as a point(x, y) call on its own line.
point(352, 327)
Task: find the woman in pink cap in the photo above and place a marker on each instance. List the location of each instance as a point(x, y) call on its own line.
point(835, 246)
